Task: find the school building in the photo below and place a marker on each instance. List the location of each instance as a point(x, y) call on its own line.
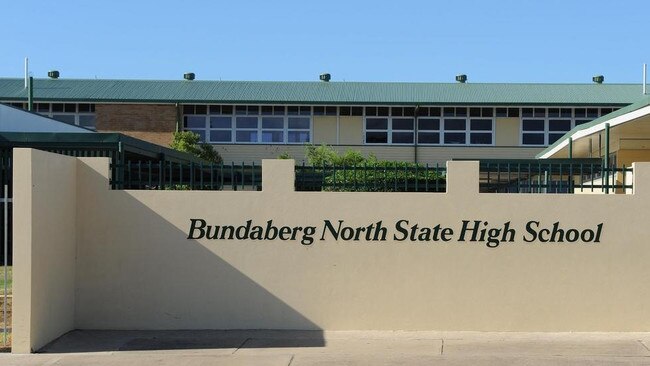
point(248, 121)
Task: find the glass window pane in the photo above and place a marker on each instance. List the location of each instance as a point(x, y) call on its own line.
point(267, 109)
point(278, 110)
point(298, 136)
point(246, 122)
point(513, 112)
point(403, 123)
point(554, 112)
point(371, 111)
point(502, 112)
point(72, 108)
point(226, 109)
point(253, 110)
point(402, 137)
point(449, 111)
point(188, 109)
point(533, 139)
point(481, 125)
point(57, 107)
point(220, 136)
point(475, 112)
point(194, 122)
point(305, 111)
point(330, 111)
point(376, 123)
point(480, 138)
point(581, 121)
point(357, 111)
point(455, 124)
point(580, 112)
point(319, 111)
point(215, 109)
point(533, 125)
point(604, 111)
point(246, 136)
point(409, 111)
point(552, 137)
point(299, 123)
point(220, 122)
point(454, 138)
point(201, 109)
point(526, 112)
point(428, 124)
point(559, 125)
point(397, 111)
point(434, 111)
point(84, 107)
point(428, 138)
point(382, 111)
point(344, 111)
point(87, 120)
point(241, 109)
point(272, 136)
point(540, 112)
point(67, 118)
point(376, 137)
point(487, 112)
point(42, 107)
point(293, 110)
point(565, 112)
point(461, 112)
point(592, 112)
point(273, 122)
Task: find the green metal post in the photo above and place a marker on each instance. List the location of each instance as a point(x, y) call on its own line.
point(570, 147)
point(30, 94)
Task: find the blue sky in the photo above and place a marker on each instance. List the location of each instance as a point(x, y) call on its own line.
point(429, 41)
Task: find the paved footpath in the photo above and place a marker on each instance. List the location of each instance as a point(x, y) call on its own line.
point(295, 348)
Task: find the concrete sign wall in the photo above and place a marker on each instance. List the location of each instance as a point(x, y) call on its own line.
point(279, 259)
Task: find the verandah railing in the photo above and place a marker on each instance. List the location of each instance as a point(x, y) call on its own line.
point(167, 175)
point(381, 177)
point(545, 176)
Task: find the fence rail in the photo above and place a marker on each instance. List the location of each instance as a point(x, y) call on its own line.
point(167, 175)
point(385, 177)
point(554, 177)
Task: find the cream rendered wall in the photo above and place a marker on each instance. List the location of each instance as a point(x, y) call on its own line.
point(45, 219)
point(325, 130)
point(507, 131)
point(137, 269)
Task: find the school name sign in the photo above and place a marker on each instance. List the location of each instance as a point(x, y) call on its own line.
point(473, 231)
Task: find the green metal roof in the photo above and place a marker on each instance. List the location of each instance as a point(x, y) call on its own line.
point(630, 108)
point(197, 91)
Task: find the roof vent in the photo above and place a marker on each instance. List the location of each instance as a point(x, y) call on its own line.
point(598, 79)
point(53, 74)
point(325, 77)
point(462, 78)
point(189, 76)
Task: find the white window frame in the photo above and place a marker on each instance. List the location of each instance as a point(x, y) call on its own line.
point(258, 129)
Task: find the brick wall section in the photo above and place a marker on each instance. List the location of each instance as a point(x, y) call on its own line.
point(150, 122)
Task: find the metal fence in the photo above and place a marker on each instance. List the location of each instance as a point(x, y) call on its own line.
point(383, 177)
point(167, 175)
point(554, 177)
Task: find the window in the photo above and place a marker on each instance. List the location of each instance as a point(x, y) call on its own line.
point(541, 126)
point(250, 124)
point(428, 131)
point(82, 114)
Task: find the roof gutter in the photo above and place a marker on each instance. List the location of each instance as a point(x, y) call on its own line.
point(594, 129)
